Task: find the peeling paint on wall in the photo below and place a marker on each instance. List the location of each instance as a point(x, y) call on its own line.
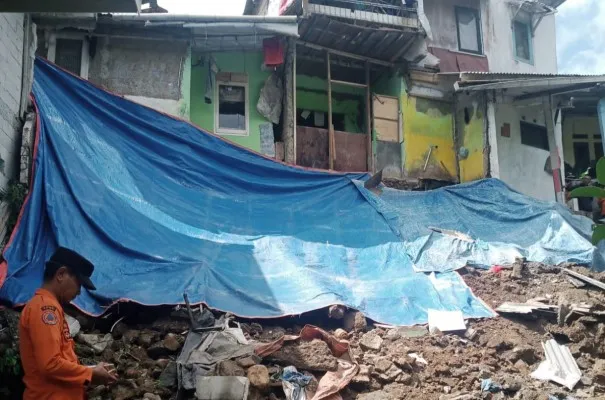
point(428, 135)
point(471, 123)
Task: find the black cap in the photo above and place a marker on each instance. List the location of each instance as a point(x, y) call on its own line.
point(77, 265)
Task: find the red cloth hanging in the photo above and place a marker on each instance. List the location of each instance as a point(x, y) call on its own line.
point(273, 50)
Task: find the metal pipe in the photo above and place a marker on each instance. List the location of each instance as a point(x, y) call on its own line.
point(202, 18)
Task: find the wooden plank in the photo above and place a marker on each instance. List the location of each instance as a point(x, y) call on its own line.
point(345, 54)
point(386, 107)
point(330, 125)
point(585, 278)
point(386, 130)
point(345, 83)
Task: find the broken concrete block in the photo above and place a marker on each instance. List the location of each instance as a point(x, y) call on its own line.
point(363, 375)
point(222, 388)
point(599, 371)
point(151, 396)
point(355, 321)
point(248, 362)
point(170, 345)
point(230, 368)
point(382, 365)
point(376, 395)
point(314, 355)
point(371, 341)
point(96, 342)
point(258, 375)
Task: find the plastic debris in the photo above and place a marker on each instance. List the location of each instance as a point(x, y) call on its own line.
point(559, 366)
point(446, 321)
point(487, 385)
point(294, 383)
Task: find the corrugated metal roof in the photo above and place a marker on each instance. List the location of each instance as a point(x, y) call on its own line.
point(528, 74)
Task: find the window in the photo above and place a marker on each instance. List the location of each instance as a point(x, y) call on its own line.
point(534, 135)
point(468, 25)
point(522, 41)
point(69, 51)
point(231, 105)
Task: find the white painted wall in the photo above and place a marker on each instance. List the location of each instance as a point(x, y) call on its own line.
point(498, 41)
point(11, 60)
point(522, 166)
point(497, 34)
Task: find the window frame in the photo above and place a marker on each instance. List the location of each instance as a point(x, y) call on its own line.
point(530, 40)
point(227, 131)
point(546, 144)
point(85, 60)
point(477, 14)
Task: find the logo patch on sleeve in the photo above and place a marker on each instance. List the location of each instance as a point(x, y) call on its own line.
point(49, 317)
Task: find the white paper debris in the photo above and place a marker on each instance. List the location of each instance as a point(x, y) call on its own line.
point(446, 321)
point(559, 367)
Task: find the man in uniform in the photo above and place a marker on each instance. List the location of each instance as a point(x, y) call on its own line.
point(52, 370)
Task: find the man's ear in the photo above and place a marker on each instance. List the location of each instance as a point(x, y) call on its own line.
point(61, 273)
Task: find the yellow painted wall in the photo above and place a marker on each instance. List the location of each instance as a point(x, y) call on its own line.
point(428, 123)
point(471, 133)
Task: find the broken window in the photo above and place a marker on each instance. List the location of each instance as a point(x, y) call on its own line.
point(534, 135)
point(68, 55)
point(232, 108)
point(522, 40)
point(468, 26)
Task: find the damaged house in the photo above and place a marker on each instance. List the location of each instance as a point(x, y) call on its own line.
point(420, 119)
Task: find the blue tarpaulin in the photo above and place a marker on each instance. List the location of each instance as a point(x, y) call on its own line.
point(162, 207)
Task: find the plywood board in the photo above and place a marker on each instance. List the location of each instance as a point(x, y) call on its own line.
point(386, 118)
point(312, 149)
point(386, 130)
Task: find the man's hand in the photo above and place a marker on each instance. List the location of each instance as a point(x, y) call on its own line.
point(104, 374)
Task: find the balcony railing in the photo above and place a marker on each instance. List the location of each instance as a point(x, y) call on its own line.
point(387, 12)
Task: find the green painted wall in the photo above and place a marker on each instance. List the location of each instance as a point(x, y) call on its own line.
point(202, 114)
point(388, 85)
point(312, 95)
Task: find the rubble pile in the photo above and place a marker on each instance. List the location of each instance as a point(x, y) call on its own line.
point(491, 359)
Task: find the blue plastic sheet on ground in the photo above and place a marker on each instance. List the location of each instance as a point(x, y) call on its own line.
point(161, 208)
point(498, 224)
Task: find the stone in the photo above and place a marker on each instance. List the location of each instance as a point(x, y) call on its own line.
point(168, 376)
point(96, 342)
point(170, 345)
point(248, 362)
point(355, 321)
point(131, 373)
point(162, 363)
point(130, 336)
point(521, 365)
point(363, 375)
point(525, 353)
point(341, 334)
point(151, 396)
point(123, 392)
point(382, 365)
point(371, 341)
point(314, 356)
point(337, 311)
point(405, 378)
point(230, 368)
point(406, 332)
point(391, 374)
point(221, 387)
point(119, 330)
point(147, 338)
point(258, 375)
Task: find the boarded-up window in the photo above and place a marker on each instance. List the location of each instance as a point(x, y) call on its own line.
point(386, 118)
point(534, 135)
point(231, 106)
point(468, 25)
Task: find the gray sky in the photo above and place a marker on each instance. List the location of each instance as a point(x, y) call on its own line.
point(580, 29)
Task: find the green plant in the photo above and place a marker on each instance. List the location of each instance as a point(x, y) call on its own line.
point(10, 363)
point(13, 196)
point(598, 232)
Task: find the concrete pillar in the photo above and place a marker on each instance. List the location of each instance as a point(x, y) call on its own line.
point(492, 138)
point(555, 160)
